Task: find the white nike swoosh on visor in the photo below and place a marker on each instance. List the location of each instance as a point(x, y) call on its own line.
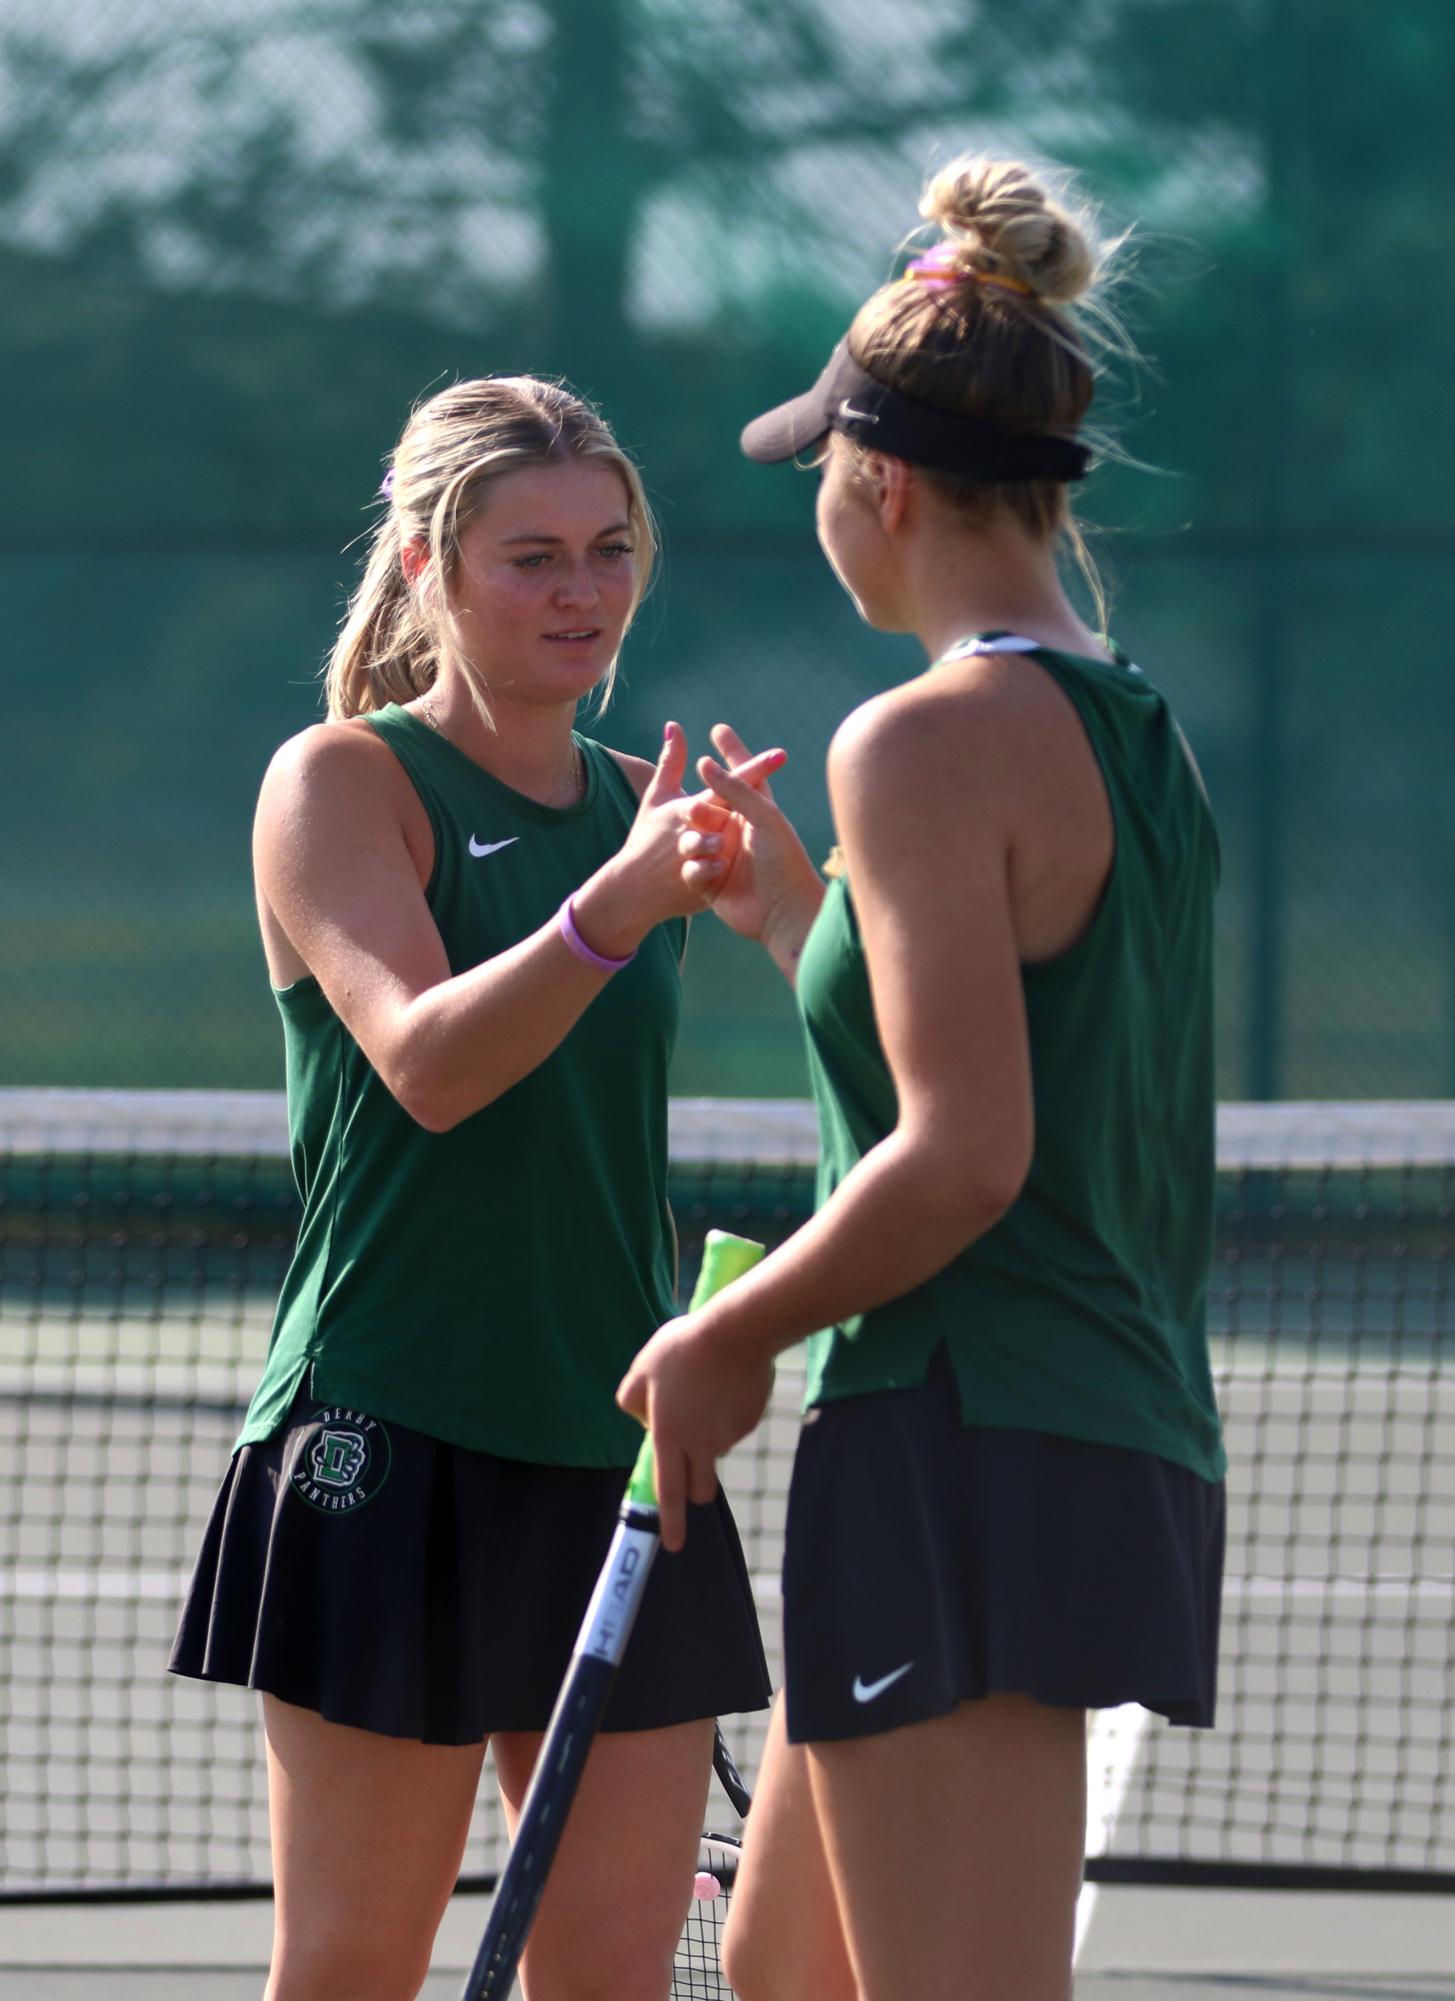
point(866, 1691)
point(490, 847)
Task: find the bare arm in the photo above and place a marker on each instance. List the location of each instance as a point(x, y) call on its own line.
point(930, 881)
point(335, 874)
point(931, 893)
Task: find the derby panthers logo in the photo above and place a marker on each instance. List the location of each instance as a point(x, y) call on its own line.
point(342, 1460)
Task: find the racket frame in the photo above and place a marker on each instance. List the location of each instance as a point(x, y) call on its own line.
point(586, 1689)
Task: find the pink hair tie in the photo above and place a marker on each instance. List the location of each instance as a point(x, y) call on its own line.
point(566, 924)
point(938, 270)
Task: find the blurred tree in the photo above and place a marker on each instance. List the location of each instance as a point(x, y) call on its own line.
point(236, 242)
point(247, 228)
point(289, 220)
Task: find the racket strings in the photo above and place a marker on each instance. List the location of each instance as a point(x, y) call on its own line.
point(697, 1973)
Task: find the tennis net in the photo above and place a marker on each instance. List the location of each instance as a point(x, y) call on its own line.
point(143, 1237)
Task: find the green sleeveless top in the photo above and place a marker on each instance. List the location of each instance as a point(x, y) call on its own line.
point(1082, 1311)
point(488, 1285)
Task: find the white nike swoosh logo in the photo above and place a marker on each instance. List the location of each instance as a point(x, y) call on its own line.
point(866, 1691)
point(490, 847)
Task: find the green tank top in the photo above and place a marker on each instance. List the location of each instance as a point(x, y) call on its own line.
point(490, 1284)
point(1082, 1311)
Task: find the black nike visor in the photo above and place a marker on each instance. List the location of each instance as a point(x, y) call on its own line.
point(847, 398)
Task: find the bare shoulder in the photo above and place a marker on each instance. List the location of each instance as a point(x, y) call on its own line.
point(326, 751)
point(637, 770)
point(330, 777)
point(932, 734)
point(326, 757)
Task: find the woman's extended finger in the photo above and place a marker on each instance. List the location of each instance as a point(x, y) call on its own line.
point(757, 770)
point(729, 744)
point(742, 789)
point(666, 781)
point(671, 1463)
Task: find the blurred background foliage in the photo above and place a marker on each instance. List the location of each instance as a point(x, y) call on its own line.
point(236, 243)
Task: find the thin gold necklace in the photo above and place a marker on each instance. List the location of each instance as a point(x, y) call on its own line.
point(574, 784)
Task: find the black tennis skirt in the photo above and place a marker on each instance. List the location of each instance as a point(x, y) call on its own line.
point(930, 1562)
point(418, 1589)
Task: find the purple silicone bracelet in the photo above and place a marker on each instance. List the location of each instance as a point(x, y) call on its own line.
point(566, 920)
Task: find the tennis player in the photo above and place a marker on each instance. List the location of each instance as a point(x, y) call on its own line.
point(474, 920)
point(1007, 1502)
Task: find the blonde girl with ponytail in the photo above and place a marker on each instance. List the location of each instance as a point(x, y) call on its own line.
point(474, 917)
point(1007, 1500)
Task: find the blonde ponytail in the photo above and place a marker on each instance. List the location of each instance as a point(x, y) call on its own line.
point(385, 652)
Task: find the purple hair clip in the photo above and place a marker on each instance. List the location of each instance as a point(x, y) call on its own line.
point(936, 268)
point(386, 484)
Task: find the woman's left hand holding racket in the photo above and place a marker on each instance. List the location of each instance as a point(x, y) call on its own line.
point(698, 1395)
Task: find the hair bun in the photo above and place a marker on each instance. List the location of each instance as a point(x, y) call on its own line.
point(1001, 220)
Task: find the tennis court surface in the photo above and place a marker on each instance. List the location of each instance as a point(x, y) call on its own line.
point(1143, 1945)
point(1307, 1847)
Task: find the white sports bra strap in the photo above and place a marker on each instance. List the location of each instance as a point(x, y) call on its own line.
point(1007, 642)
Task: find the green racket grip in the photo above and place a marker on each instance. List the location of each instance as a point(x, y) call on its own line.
point(641, 1489)
point(724, 1258)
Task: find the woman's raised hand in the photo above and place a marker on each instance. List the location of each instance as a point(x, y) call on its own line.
point(743, 855)
point(647, 881)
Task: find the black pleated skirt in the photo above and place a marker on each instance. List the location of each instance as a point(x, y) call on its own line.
point(418, 1589)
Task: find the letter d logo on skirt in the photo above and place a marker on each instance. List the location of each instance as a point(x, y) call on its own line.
point(341, 1459)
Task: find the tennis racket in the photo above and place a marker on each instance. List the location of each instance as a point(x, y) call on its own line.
point(594, 1663)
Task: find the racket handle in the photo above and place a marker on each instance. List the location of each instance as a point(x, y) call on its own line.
point(724, 1258)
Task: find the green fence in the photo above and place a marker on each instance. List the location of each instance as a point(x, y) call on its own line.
point(235, 243)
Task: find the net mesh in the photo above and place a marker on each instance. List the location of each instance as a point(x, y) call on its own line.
point(142, 1241)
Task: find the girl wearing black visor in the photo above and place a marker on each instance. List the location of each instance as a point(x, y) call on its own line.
point(1007, 1502)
